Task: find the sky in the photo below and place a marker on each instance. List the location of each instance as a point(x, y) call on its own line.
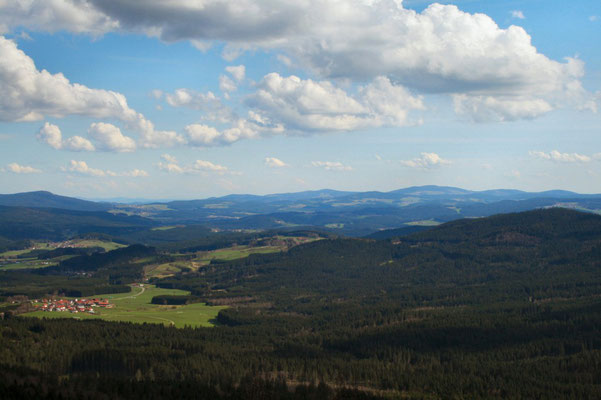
point(191, 99)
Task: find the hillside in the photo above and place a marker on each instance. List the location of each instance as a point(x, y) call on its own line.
point(59, 224)
point(530, 254)
point(499, 307)
point(43, 199)
point(344, 213)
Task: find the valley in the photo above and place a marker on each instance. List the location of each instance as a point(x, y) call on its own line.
point(504, 306)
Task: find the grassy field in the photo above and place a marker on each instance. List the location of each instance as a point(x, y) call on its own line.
point(135, 307)
point(425, 222)
point(203, 258)
point(108, 246)
point(26, 263)
point(9, 260)
point(166, 228)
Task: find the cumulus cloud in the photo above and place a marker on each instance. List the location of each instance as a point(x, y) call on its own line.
point(204, 136)
point(273, 162)
point(168, 158)
point(494, 109)
point(203, 165)
point(53, 137)
point(55, 15)
point(81, 167)
point(331, 165)
point(108, 137)
point(134, 173)
point(29, 95)
point(556, 156)
point(170, 165)
point(518, 14)
point(426, 161)
point(208, 102)
point(226, 84)
point(237, 72)
point(191, 99)
point(291, 105)
point(439, 50)
point(306, 105)
point(22, 169)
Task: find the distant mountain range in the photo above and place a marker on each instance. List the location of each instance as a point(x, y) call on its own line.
point(348, 213)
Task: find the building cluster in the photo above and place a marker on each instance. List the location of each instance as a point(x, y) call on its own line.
point(73, 306)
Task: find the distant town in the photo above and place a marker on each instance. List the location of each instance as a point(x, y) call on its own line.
point(72, 306)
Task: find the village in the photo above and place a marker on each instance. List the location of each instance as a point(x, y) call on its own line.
point(73, 306)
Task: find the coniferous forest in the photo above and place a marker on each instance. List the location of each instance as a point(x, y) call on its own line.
point(507, 306)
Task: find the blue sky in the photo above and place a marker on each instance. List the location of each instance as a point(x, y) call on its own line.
point(191, 99)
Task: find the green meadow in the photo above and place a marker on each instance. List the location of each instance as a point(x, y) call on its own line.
point(136, 307)
point(204, 258)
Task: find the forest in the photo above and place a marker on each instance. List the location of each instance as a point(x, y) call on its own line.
point(506, 306)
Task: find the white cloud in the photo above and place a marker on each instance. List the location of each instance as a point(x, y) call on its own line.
point(29, 95)
point(55, 15)
point(226, 84)
point(191, 99)
point(81, 167)
point(490, 108)
point(52, 136)
point(208, 102)
point(108, 137)
point(273, 162)
point(205, 136)
point(439, 50)
point(22, 169)
point(168, 158)
point(426, 161)
point(593, 18)
point(331, 165)
point(78, 143)
point(156, 93)
point(201, 45)
point(203, 165)
point(135, 173)
point(319, 106)
point(291, 105)
point(238, 72)
point(560, 157)
point(172, 166)
point(518, 14)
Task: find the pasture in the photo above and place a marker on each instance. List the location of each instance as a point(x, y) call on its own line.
point(136, 307)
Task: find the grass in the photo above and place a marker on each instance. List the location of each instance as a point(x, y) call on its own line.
point(9, 260)
point(425, 222)
point(204, 258)
point(234, 253)
point(108, 246)
point(27, 263)
point(166, 228)
point(136, 307)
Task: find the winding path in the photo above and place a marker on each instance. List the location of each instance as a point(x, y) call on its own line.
point(133, 295)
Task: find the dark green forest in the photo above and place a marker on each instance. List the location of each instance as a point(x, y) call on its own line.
point(507, 306)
